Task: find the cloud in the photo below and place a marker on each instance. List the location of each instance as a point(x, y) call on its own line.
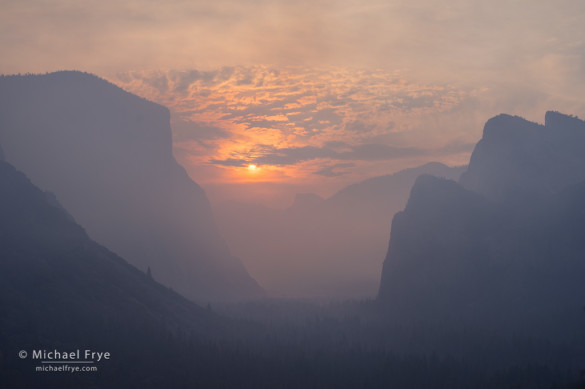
point(469, 42)
point(293, 102)
point(234, 162)
point(188, 130)
point(380, 84)
point(358, 126)
point(271, 155)
point(297, 121)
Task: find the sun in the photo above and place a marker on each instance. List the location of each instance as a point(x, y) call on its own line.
point(252, 167)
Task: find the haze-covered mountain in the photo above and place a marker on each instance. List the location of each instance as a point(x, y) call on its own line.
point(107, 156)
point(517, 160)
point(50, 267)
point(59, 289)
point(322, 247)
point(510, 253)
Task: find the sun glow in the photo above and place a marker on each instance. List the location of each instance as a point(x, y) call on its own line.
point(258, 123)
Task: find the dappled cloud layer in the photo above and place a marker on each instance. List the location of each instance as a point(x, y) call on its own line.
point(275, 124)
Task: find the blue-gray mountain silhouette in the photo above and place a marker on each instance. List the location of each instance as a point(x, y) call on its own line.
point(60, 290)
point(107, 156)
point(55, 281)
point(507, 251)
point(517, 160)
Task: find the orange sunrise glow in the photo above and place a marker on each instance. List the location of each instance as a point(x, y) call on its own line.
point(320, 94)
point(301, 125)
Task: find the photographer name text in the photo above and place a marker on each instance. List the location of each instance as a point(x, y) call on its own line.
point(77, 355)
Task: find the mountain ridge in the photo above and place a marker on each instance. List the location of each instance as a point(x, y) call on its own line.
point(517, 160)
point(492, 258)
point(47, 256)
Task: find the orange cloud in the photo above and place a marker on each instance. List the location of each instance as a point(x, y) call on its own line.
point(294, 122)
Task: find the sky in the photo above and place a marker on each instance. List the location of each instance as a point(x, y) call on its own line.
point(314, 94)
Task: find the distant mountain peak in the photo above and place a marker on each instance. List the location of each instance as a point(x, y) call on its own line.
point(506, 127)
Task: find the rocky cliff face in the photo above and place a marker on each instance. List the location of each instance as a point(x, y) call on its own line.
point(107, 156)
point(504, 250)
point(517, 160)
